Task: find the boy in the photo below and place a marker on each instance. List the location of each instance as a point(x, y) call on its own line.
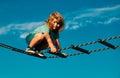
point(46, 36)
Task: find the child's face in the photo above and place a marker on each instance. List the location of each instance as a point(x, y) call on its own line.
point(55, 24)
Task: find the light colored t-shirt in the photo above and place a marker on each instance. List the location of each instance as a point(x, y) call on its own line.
point(41, 29)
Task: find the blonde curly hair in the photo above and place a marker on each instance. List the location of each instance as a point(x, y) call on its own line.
point(58, 17)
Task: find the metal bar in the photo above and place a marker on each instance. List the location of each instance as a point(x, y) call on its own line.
point(106, 43)
point(80, 49)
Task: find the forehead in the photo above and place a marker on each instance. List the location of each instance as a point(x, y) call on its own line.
point(55, 20)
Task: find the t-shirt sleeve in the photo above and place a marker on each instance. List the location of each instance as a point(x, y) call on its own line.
point(41, 29)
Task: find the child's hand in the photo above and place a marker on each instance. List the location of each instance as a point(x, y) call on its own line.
point(53, 50)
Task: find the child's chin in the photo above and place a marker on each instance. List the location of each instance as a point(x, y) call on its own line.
point(54, 28)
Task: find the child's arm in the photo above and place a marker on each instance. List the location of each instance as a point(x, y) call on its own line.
point(57, 43)
point(50, 43)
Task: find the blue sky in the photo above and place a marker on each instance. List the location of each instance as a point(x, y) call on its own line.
point(85, 21)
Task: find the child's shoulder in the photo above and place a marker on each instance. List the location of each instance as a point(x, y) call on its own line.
point(42, 28)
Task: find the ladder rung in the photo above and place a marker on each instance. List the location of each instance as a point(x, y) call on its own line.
point(80, 49)
point(106, 43)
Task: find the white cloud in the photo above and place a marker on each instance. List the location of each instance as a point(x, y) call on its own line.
point(96, 12)
point(27, 26)
point(111, 20)
point(89, 14)
point(107, 8)
point(19, 27)
point(4, 30)
point(23, 35)
point(94, 16)
point(71, 25)
point(74, 27)
point(67, 24)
